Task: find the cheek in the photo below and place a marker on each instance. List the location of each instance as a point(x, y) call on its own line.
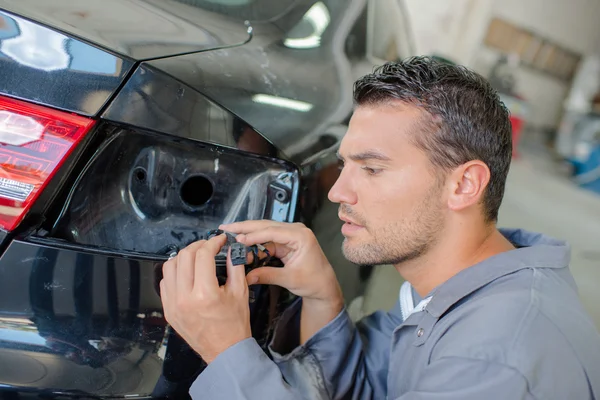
point(391, 197)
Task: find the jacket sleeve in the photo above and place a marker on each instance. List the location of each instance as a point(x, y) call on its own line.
point(341, 361)
point(242, 372)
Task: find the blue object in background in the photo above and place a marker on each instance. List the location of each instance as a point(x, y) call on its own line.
point(587, 172)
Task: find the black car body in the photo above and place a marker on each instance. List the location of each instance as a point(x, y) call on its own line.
point(128, 128)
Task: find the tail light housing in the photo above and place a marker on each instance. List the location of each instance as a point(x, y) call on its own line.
point(34, 142)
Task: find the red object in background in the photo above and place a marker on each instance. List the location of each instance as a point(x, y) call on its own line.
point(519, 111)
point(517, 127)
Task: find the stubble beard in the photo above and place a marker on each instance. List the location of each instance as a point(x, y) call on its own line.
point(401, 241)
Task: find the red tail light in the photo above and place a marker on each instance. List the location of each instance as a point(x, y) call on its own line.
point(34, 142)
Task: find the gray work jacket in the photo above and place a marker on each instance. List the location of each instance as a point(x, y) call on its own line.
point(511, 327)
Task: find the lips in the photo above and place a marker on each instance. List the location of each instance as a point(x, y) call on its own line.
point(350, 227)
point(349, 221)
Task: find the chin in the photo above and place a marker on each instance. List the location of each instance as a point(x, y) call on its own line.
point(351, 244)
point(357, 254)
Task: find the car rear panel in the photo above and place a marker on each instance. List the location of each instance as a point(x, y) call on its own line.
point(80, 312)
point(80, 323)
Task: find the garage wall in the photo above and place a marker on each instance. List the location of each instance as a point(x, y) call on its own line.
point(572, 23)
point(457, 29)
point(449, 28)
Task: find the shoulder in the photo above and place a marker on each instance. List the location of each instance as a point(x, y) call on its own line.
point(487, 323)
point(530, 321)
point(522, 312)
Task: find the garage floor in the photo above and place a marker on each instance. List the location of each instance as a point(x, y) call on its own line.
point(540, 198)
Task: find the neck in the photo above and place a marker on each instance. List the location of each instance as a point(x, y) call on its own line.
point(452, 254)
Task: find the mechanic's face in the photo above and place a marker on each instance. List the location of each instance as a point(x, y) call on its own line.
point(387, 190)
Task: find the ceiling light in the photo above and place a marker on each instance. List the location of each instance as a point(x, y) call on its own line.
point(282, 102)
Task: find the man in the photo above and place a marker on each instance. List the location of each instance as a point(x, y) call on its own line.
point(493, 314)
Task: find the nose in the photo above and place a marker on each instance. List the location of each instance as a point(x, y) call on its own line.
point(342, 191)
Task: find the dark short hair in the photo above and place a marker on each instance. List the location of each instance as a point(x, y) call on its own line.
point(465, 118)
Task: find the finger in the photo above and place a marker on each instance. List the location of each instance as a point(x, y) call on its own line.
point(165, 300)
point(167, 293)
point(236, 276)
point(249, 226)
point(268, 276)
point(193, 247)
point(205, 278)
point(169, 279)
point(164, 296)
point(277, 239)
point(185, 267)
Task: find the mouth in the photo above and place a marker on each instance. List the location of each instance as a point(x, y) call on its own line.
point(350, 227)
point(348, 220)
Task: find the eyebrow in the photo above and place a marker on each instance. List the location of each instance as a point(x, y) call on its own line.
point(365, 156)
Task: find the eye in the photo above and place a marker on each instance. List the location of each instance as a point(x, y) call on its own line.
point(371, 171)
point(340, 164)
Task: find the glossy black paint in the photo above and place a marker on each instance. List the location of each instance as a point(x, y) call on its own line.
point(47, 67)
point(73, 321)
point(81, 322)
point(154, 100)
point(291, 95)
point(141, 29)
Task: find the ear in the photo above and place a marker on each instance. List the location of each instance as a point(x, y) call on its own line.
point(469, 182)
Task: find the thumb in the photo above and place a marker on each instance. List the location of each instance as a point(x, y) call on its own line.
point(266, 276)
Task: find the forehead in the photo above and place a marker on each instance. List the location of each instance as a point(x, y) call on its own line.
point(386, 128)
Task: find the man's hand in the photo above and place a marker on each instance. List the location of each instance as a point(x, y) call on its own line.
point(307, 272)
point(209, 317)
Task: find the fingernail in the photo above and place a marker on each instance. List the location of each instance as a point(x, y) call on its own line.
point(253, 280)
